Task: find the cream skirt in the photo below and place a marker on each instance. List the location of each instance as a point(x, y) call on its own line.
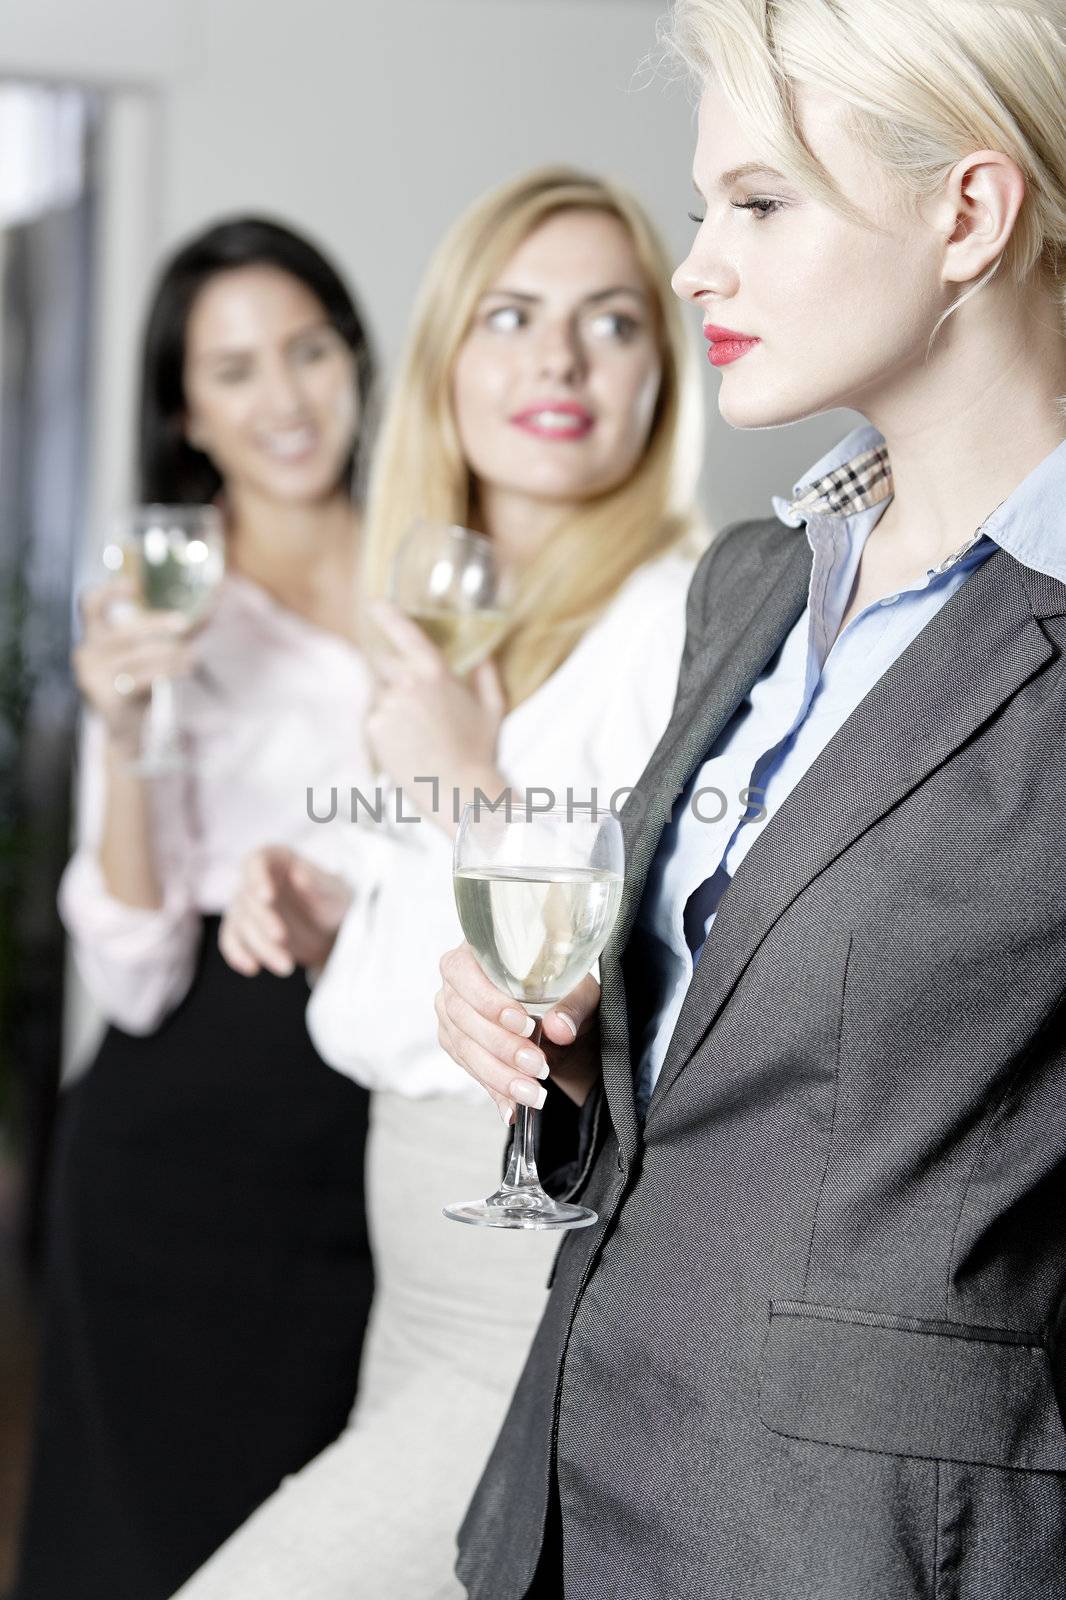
point(374, 1517)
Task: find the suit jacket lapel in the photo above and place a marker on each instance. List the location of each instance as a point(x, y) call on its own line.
point(973, 655)
point(720, 679)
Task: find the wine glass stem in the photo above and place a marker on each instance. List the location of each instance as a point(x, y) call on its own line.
point(162, 722)
point(522, 1164)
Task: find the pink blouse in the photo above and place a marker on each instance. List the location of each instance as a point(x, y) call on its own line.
point(277, 705)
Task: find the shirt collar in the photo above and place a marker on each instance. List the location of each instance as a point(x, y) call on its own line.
point(854, 476)
point(857, 475)
point(1031, 523)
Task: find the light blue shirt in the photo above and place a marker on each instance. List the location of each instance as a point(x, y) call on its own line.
point(808, 691)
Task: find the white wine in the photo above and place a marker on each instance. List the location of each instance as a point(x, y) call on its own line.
point(174, 574)
point(463, 637)
point(537, 931)
point(538, 898)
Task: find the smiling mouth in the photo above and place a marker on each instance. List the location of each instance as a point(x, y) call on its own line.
point(551, 422)
point(291, 445)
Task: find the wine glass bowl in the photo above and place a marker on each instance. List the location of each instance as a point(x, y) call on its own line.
point(537, 894)
point(175, 555)
point(176, 558)
point(537, 930)
point(448, 580)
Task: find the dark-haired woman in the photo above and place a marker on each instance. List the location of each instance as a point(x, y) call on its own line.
point(209, 1275)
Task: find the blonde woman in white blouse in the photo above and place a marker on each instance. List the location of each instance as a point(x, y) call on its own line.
point(208, 1267)
point(549, 399)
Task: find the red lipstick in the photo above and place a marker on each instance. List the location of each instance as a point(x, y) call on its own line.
point(727, 346)
point(555, 419)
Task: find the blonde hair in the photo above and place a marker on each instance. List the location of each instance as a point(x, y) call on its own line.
point(927, 82)
point(420, 469)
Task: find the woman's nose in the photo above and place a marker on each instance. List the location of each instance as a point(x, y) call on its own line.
point(703, 273)
point(560, 353)
point(283, 392)
point(684, 280)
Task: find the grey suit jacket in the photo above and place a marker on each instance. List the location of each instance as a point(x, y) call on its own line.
point(808, 1352)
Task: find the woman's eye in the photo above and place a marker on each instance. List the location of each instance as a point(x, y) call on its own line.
point(699, 221)
point(614, 325)
point(308, 354)
point(761, 208)
point(231, 374)
point(505, 319)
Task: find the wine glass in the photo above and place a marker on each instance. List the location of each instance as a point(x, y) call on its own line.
point(176, 556)
point(537, 894)
point(447, 579)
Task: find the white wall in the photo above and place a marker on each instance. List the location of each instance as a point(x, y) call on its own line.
point(372, 123)
point(98, 41)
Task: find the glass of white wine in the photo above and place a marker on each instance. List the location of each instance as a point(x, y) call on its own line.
point(537, 894)
point(176, 556)
point(447, 579)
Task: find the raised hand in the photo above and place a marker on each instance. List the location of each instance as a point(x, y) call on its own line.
point(427, 723)
point(285, 914)
point(123, 648)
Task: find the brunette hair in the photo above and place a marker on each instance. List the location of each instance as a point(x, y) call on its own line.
point(170, 469)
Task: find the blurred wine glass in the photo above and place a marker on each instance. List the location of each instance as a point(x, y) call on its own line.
point(176, 557)
point(448, 580)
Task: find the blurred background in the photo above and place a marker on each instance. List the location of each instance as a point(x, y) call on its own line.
point(125, 124)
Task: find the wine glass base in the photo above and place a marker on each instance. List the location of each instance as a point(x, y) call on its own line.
point(521, 1208)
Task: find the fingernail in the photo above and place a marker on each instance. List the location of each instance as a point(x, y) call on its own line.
point(530, 1094)
point(506, 1115)
point(517, 1021)
point(564, 1016)
point(532, 1061)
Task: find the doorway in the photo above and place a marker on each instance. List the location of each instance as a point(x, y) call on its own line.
point(48, 196)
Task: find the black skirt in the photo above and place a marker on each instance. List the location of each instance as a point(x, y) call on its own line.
point(208, 1285)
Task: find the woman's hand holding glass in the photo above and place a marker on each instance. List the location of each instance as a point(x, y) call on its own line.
point(176, 556)
point(285, 914)
point(487, 1033)
point(537, 893)
point(426, 722)
point(125, 649)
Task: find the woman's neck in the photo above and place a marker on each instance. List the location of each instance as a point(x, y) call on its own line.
point(981, 415)
point(519, 524)
point(306, 557)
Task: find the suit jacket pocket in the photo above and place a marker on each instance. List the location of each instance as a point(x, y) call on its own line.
point(910, 1387)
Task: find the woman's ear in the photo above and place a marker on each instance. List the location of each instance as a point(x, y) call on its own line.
point(977, 209)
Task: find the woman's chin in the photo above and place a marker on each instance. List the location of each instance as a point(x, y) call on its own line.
point(552, 487)
point(755, 409)
point(300, 485)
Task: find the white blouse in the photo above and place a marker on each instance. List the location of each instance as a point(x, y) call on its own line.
point(594, 722)
point(276, 705)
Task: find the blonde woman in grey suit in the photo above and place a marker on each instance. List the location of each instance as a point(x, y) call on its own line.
point(817, 1347)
